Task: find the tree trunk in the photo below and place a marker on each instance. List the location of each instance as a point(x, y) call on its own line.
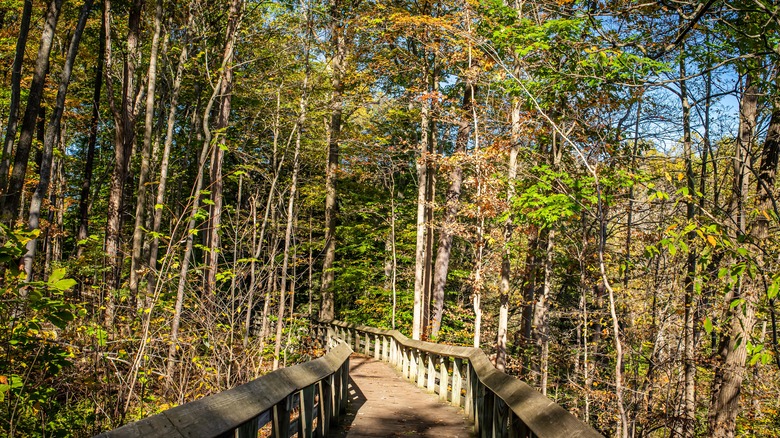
point(11, 201)
point(226, 92)
point(154, 245)
point(422, 175)
point(89, 162)
point(506, 263)
point(449, 221)
point(124, 140)
point(688, 417)
point(190, 233)
point(327, 299)
point(291, 200)
point(143, 174)
point(52, 132)
point(16, 79)
point(732, 351)
point(259, 246)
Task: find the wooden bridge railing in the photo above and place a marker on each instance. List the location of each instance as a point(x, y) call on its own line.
point(316, 390)
point(499, 405)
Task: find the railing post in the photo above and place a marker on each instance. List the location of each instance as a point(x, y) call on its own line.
point(281, 424)
point(470, 393)
point(413, 365)
point(420, 368)
point(487, 426)
point(431, 374)
point(377, 348)
point(368, 345)
point(336, 395)
point(306, 417)
point(385, 349)
point(248, 429)
point(456, 381)
point(499, 417)
point(443, 378)
point(344, 387)
point(348, 337)
point(325, 406)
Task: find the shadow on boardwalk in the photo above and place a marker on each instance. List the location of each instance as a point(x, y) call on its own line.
point(383, 404)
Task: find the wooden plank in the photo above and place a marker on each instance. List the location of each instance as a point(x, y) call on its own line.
point(431, 386)
point(457, 364)
point(306, 416)
point(443, 379)
point(420, 367)
point(281, 425)
point(325, 410)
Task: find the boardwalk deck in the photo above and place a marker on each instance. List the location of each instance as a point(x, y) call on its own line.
point(383, 404)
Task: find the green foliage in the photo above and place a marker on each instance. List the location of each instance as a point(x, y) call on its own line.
point(550, 196)
point(32, 358)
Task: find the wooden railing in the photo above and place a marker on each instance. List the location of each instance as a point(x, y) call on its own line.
point(499, 405)
point(315, 390)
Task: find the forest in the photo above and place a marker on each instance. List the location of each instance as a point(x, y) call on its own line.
point(586, 189)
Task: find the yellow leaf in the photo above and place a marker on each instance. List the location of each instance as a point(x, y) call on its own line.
point(680, 176)
point(711, 240)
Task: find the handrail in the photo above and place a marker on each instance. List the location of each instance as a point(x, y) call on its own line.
point(318, 387)
point(499, 405)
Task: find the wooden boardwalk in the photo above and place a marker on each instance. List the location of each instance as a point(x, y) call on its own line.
point(383, 404)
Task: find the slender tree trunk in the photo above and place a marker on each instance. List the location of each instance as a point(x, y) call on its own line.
point(393, 248)
point(259, 246)
point(688, 417)
point(16, 79)
point(339, 43)
point(143, 174)
point(449, 221)
point(124, 140)
point(50, 138)
point(506, 263)
point(740, 316)
point(154, 245)
point(226, 92)
point(89, 162)
point(529, 294)
point(191, 225)
point(430, 200)
point(422, 175)
point(11, 201)
point(299, 126)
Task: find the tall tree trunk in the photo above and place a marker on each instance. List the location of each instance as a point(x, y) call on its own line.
point(688, 417)
point(52, 132)
point(506, 262)
point(154, 245)
point(226, 93)
point(143, 174)
point(449, 220)
point(89, 162)
point(16, 79)
point(339, 43)
point(124, 139)
point(740, 316)
point(190, 233)
point(12, 199)
point(422, 176)
point(290, 221)
point(480, 248)
point(259, 246)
